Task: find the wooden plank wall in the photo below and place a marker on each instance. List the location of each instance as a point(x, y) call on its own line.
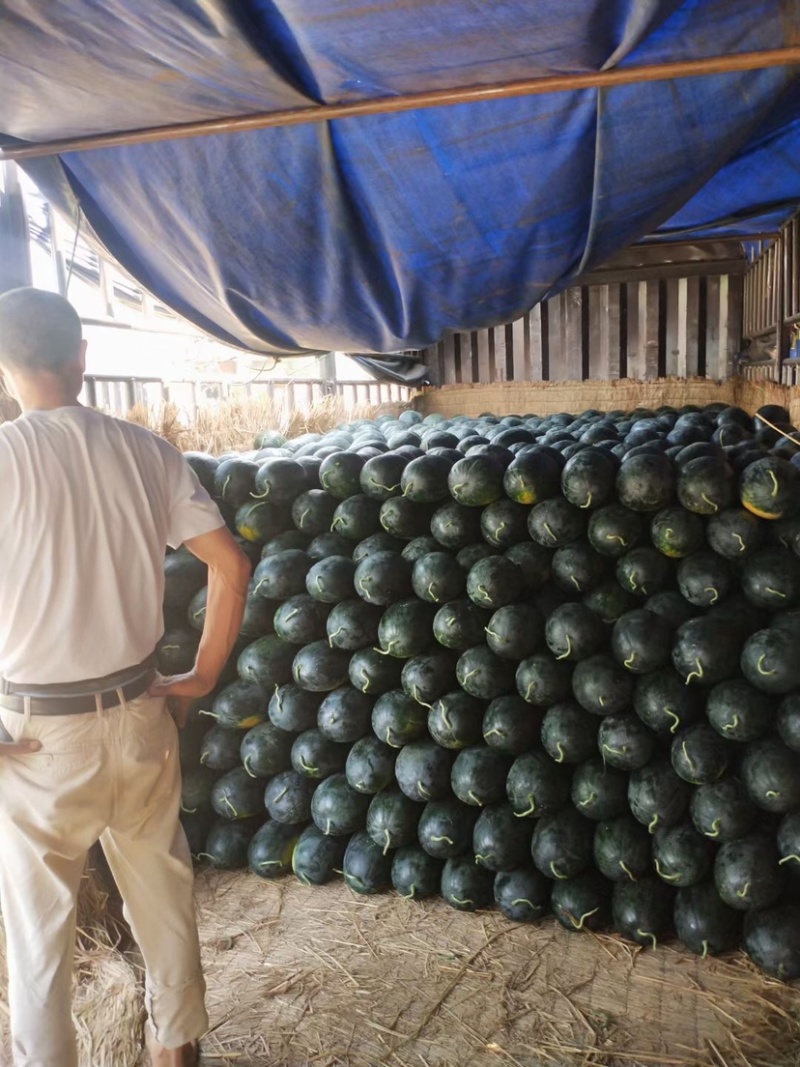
point(686, 327)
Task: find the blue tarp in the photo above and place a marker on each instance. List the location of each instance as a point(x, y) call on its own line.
point(377, 234)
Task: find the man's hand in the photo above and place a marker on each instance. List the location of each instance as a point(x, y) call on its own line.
point(180, 690)
point(19, 748)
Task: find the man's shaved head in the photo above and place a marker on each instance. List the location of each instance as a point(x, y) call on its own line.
point(40, 332)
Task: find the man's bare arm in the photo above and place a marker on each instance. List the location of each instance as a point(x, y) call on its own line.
point(228, 577)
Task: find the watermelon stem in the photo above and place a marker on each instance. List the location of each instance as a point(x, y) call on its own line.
point(586, 915)
point(675, 719)
point(431, 593)
point(448, 840)
point(766, 674)
point(646, 933)
point(714, 831)
point(624, 866)
point(715, 597)
point(411, 894)
point(786, 859)
point(531, 809)
point(388, 844)
point(548, 529)
point(653, 824)
point(568, 653)
point(733, 724)
point(475, 800)
point(699, 673)
point(588, 800)
point(560, 749)
point(666, 877)
point(714, 507)
point(560, 877)
point(334, 634)
point(742, 893)
point(704, 943)
point(629, 662)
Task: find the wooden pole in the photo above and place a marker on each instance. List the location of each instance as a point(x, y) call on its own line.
point(777, 57)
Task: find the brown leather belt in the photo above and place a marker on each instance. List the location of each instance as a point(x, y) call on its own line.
point(79, 698)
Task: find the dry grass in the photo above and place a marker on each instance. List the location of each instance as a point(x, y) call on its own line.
point(300, 977)
point(234, 424)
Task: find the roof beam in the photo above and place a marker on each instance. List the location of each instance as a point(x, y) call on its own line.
point(556, 83)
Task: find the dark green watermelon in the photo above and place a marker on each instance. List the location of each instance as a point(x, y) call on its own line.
point(511, 725)
point(366, 869)
point(643, 571)
point(562, 843)
point(380, 476)
point(576, 568)
point(228, 841)
point(642, 911)
point(282, 542)
point(770, 488)
point(265, 750)
point(287, 797)
point(789, 841)
point(609, 601)
point(583, 902)
point(771, 774)
point(300, 620)
point(437, 577)
point(446, 826)
point(337, 808)
point(370, 765)
point(197, 826)
point(205, 467)
point(353, 624)
point(419, 547)
point(340, 474)
point(316, 756)
point(184, 576)
point(313, 511)
point(423, 770)
point(320, 668)
point(460, 624)
point(601, 687)
point(615, 529)
point(670, 606)
point(392, 819)
point(479, 775)
point(705, 651)
point(429, 676)
point(329, 544)
point(282, 575)
point(280, 480)
point(747, 872)
point(771, 579)
point(699, 755)
point(380, 541)
point(456, 719)
point(356, 518)
point(258, 521)
point(196, 788)
point(271, 849)
point(483, 674)
point(705, 579)
point(621, 848)
point(219, 749)
point(640, 641)
point(504, 524)
point(738, 711)
point(494, 582)
point(234, 481)
point(383, 578)
point(788, 721)
point(704, 923)
point(406, 628)
point(522, 895)
point(657, 797)
point(424, 480)
point(236, 795)
point(573, 632)
point(646, 483)
point(241, 705)
point(469, 555)
point(476, 480)
point(501, 841)
point(569, 733)
point(176, 652)
point(267, 662)
point(542, 680)
point(588, 479)
point(344, 714)
point(258, 618)
point(371, 671)
point(465, 885)
point(455, 526)
point(664, 702)
point(415, 874)
point(770, 662)
point(723, 810)
point(534, 562)
point(706, 485)
point(536, 785)
point(676, 532)
point(681, 855)
point(555, 522)
point(331, 580)
point(772, 940)
point(317, 857)
point(734, 533)
point(598, 791)
point(293, 709)
point(531, 477)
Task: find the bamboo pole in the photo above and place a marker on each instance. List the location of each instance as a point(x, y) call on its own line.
point(635, 75)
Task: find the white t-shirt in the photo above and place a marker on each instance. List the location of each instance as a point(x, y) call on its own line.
point(88, 505)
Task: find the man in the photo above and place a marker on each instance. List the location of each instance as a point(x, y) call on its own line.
point(91, 752)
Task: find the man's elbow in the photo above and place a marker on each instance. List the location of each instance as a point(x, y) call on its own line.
point(242, 571)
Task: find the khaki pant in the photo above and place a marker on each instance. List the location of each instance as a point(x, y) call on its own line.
point(111, 775)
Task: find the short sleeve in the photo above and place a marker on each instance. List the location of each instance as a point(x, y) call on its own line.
point(192, 512)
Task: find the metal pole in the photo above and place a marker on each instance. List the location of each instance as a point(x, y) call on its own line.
point(15, 256)
point(777, 57)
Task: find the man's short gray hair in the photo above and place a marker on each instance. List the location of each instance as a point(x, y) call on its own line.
point(39, 331)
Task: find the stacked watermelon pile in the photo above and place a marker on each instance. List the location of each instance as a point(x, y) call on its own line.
point(551, 663)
